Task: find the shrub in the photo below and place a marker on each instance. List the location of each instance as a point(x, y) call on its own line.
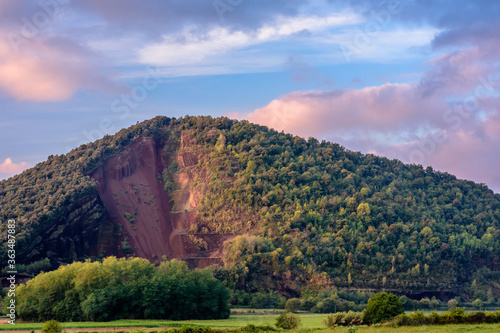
point(382, 307)
point(191, 329)
point(456, 316)
point(52, 326)
point(344, 319)
point(252, 328)
point(330, 321)
point(288, 321)
point(492, 317)
point(292, 305)
point(476, 317)
point(417, 318)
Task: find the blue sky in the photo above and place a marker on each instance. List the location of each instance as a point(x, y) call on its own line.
point(415, 80)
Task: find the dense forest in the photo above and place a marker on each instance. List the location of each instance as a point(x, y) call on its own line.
point(307, 214)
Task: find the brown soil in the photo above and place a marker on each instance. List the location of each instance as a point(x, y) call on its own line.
point(129, 184)
point(131, 187)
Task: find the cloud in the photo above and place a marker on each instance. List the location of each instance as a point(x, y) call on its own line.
point(155, 18)
point(371, 112)
point(13, 168)
point(39, 63)
point(191, 47)
point(50, 69)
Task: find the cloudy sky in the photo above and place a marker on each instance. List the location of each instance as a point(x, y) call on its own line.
point(416, 80)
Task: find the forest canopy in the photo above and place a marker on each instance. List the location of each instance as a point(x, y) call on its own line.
point(122, 289)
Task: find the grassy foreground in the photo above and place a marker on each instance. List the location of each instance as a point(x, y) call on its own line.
point(309, 323)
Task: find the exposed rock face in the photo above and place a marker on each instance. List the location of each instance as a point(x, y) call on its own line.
point(82, 231)
point(150, 221)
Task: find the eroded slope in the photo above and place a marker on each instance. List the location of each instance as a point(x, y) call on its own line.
point(152, 222)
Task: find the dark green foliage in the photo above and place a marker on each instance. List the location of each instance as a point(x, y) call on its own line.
point(455, 316)
point(38, 196)
point(257, 300)
point(34, 268)
point(259, 328)
point(123, 289)
point(287, 321)
point(52, 326)
point(271, 300)
point(292, 305)
point(382, 307)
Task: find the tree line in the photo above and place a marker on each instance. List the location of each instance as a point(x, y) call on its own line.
point(122, 289)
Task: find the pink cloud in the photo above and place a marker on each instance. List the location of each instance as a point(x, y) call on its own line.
point(369, 112)
point(12, 168)
point(49, 70)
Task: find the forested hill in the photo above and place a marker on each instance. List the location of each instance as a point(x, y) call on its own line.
point(277, 211)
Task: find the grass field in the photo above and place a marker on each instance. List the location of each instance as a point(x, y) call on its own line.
point(309, 323)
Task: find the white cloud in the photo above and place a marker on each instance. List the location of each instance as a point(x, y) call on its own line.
point(12, 168)
point(191, 48)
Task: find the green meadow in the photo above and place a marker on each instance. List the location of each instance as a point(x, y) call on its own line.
point(309, 323)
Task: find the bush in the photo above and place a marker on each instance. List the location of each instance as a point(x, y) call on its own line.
point(382, 307)
point(252, 328)
point(344, 319)
point(330, 321)
point(191, 329)
point(52, 326)
point(288, 321)
point(456, 316)
point(292, 305)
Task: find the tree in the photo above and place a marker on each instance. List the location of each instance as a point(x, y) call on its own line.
point(383, 307)
point(52, 326)
point(363, 209)
point(292, 304)
point(452, 304)
point(288, 321)
point(123, 288)
point(478, 304)
point(434, 303)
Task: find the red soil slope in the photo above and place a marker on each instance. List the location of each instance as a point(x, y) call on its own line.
point(131, 187)
point(128, 183)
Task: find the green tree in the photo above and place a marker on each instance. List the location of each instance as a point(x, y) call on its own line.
point(478, 304)
point(288, 321)
point(123, 288)
point(52, 326)
point(292, 304)
point(363, 209)
point(383, 307)
point(452, 304)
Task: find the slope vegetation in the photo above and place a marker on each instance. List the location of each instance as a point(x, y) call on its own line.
point(275, 210)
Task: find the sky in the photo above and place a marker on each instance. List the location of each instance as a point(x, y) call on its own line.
point(416, 80)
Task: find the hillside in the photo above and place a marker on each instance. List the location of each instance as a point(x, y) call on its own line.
point(274, 211)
